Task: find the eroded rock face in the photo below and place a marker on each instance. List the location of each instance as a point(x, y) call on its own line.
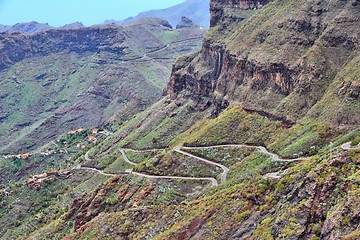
point(218, 8)
point(276, 66)
point(16, 47)
point(185, 23)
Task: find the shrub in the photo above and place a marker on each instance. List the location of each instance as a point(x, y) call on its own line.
point(356, 141)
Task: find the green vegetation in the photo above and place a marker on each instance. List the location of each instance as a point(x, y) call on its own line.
point(302, 82)
point(73, 84)
point(176, 164)
point(138, 157)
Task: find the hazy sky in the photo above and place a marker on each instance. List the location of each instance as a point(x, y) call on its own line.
point(89, 12)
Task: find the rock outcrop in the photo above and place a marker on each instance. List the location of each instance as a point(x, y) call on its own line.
point(222, 9)
point(185, 23)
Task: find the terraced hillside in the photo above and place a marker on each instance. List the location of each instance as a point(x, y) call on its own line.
point(61, 80)
point(256, 137)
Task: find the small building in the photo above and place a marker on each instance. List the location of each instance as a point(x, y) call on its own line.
point(80, 130)
point(72, 132)
point(37, 183)
point(40, 176)
point(30, 181)
point(24, 156)
point(92, 138)
point(52, 172)
point(95, 130)
point(65, 173)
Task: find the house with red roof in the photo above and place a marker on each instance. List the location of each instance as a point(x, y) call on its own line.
point(24, 156)
point(92, 138)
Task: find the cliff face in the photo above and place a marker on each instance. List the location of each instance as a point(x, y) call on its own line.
point(280, 56)
point(16, 47)
point(219, 10)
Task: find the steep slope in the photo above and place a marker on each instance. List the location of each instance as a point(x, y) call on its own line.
point(196, 10)
point(239, 105)
point(280, 63)
point(61, 80)
point(292, 80)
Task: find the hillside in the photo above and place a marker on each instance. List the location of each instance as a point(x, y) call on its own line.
point(256, 137)
point(61, 80)
point(196, 10)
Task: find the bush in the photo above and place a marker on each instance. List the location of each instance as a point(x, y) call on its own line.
point(111, 201)
point(356, 141)
point(316, 229)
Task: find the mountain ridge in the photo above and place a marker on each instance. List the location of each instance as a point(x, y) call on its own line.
point(196, 10)
point(35, 27)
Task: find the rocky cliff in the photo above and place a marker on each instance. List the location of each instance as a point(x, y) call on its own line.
point(16, 47)
point(282, 57)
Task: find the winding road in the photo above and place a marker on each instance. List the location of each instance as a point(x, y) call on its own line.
point(122, 151)
point(177, 149)
point(95, 170)
point(214, 182)
point(347, 146)
point(225, 169)
point(262, 149)
point(145, 150)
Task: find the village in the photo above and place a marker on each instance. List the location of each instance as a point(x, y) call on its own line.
point(37, 180)
point(79, 138)
point(91, 138)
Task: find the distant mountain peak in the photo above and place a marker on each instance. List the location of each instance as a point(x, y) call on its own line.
point(196, 10)
point(26, 28)
point(36, 27)
point(185, 23)
point(75, 25)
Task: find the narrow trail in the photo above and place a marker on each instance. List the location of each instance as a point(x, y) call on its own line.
point(122, 151)
point(95, 170)
point(145, 55)
point(347, 146)
point(145, 150)
point(274, 175)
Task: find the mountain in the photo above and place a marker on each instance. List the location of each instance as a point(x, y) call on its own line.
point(35, 27)
point(60, 80)
point(72, 26)
point(185, 23)
point(256, 137)
point(196, 10)
point(26, 28)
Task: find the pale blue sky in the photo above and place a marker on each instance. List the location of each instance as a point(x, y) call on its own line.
point(89, 12)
